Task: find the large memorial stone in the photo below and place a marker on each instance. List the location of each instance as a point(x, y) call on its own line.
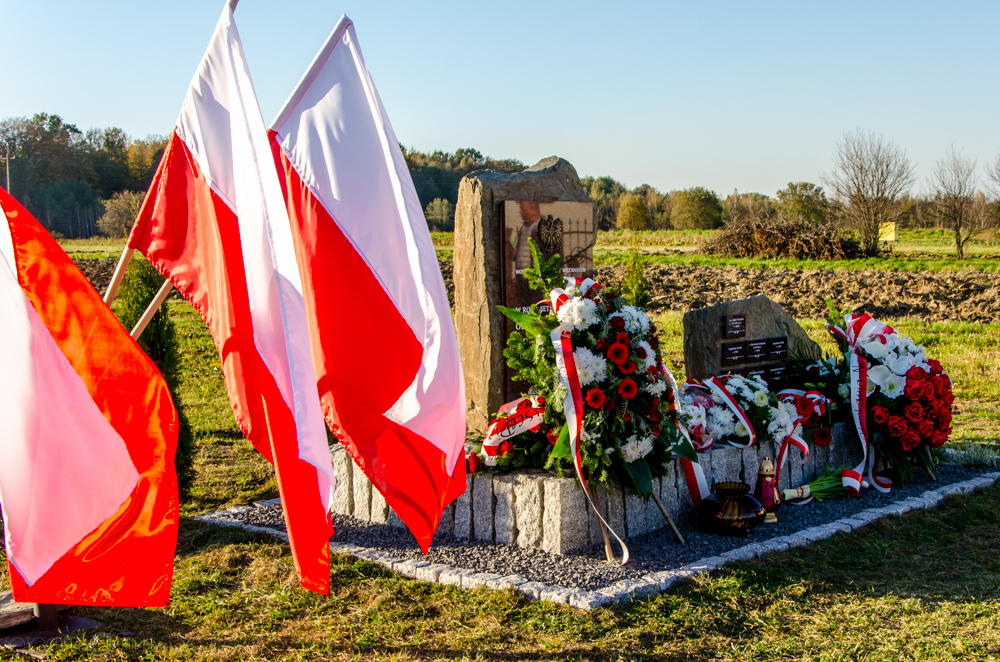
point(480, 262)
point(748, 336)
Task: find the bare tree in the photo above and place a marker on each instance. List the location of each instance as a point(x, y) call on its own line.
point(993, 172)
point(870, 177)
point(957, 205)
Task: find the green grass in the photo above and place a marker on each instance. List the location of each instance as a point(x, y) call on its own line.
point(94, 247)
point(925, 586)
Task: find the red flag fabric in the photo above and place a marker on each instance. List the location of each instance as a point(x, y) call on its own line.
point(214, 223)
point(383, 342)
point(87, 480)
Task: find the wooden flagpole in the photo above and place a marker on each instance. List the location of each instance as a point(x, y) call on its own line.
point(154, 305)
point(119, 275)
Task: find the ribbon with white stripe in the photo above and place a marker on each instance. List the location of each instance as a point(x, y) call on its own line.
point(522, 415)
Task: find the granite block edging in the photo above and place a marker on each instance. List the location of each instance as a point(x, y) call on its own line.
point(627, 589)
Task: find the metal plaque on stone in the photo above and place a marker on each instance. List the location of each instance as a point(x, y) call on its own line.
point(734, 353)
point(734, 326)
point(777, 348)
point(559, 228)
point(757, 350)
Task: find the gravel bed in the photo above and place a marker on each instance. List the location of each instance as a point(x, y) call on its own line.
point(588, 570)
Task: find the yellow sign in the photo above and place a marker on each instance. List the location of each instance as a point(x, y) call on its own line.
point(887, 232)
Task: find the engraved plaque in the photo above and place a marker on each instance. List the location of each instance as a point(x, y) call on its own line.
point(560, 228)
point(734, 353)
point(776, 374)
point(777, 348)
point(757, 351)
point(734, 326)
point(761, 372)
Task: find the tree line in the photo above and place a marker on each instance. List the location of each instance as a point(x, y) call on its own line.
point(79, 184)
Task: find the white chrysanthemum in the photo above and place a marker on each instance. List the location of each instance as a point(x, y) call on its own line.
point(892, 388)
point(570, 288)
point(844, 391)
point(650, 359)
point(657, 388)
point(760, 381)
point(716, 398)
point(590, 367)
point(579, 313)
point(736, 382)
point(645, 446)
point(631, 450)
point(760, 398)
point(741, 430)
point(635, 320)
point(722, 416)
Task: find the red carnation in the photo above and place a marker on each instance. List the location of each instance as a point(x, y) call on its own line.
point(656, 416)
point(914, 390)
point(654, 405)
point(651, 370)
point(656, 431)
point(553, 436)
point(623, 339)
point(506, 446)
point(653, 342)
point(627, 389)
point(603, 344)
point(536, 428)
point(822, 437)
point(909, 440)
point(618, 353)
point(626, 417)
point(628, 368)
point(897, 426)
point(640, 352)
point(474, 463)
point(617, 323)
point(880, 414)
point(914, 412)
point(925, 429)
point(804, 406)
point(652, 329)
point(541, 401)
point(609, 404)
point(595, 398)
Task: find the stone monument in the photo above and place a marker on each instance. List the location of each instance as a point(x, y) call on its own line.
point(487, 201)
point(753, 336)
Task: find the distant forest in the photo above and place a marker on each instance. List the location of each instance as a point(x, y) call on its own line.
point(82, 183)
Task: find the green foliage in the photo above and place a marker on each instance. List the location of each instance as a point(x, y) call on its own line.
point(120, 213)
point(440, 215)
point(543, 275)
point(635, 287)
point(696, 209)
point(803, 201)
point(632, 213)
point(159, 342)
point(437, 174)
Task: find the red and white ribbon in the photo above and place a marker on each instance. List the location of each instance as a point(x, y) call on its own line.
point(795, 438)
point(522, 415)
point(694, 475)
point(718, 387)
point(573, 402)
point(861, 328)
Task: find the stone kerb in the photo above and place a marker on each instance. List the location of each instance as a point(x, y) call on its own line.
point(538, 510)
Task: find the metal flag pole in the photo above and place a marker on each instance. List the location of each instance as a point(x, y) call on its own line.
point(154, 305)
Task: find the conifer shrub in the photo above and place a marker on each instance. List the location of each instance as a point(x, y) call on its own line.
point(159, 342)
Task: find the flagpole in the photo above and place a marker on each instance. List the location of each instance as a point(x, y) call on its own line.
point(151, 309)
point(119, 275)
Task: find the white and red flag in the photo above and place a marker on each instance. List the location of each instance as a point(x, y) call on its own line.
point(383, 342)
point(215, 224)
point(87, 481)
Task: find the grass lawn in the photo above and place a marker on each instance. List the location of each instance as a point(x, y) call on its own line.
point(925, 586)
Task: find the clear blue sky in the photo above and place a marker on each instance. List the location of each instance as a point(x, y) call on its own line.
point(720, 94)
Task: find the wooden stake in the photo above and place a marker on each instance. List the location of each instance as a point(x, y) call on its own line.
point(666, 515)
point(151, 309)
point(119, 275)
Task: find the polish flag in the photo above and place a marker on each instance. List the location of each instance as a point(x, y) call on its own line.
point(87, 482)
point(215, 224)
point(383, 342)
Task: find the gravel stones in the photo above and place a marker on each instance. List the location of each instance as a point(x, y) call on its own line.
point(585, 578)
